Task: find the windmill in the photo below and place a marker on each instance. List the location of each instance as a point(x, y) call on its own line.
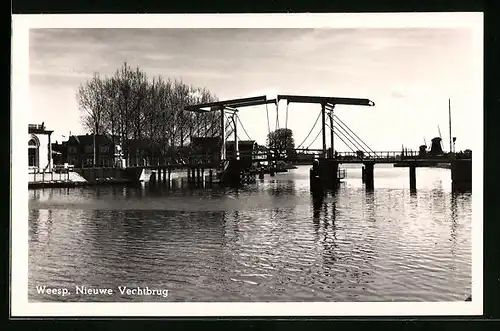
point(441, 142)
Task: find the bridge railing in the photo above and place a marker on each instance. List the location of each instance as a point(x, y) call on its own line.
point(386, 155)
point(213, 158)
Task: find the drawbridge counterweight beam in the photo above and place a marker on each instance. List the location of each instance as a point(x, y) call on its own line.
point(326, 100)
point(327, 103)
point(233, 103)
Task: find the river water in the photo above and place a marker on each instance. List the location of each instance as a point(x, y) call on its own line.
point(268, 241)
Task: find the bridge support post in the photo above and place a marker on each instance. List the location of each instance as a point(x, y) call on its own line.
point(369, 175)
point(223, 135)
point(363, 174)
point(169, 175)
point(159, 174)
point(210, 175)
point(189, 175)
point(232, 174)
point(413, 177)
point(198, 175)
point(164, 175)
point(323, 124)
point(461, 175)
point(328, 170)
point(332, 135)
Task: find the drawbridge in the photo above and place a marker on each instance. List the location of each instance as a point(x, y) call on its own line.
point(230, 123)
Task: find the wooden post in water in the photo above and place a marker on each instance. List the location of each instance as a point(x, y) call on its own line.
point(210, 175)
point(189, 175)
point(413, 177)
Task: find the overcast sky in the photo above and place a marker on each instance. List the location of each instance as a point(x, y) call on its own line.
point(408, 73)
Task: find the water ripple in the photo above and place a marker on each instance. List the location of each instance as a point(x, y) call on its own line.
point(266, 242)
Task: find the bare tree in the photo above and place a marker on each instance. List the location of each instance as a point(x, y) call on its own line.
point(130, 106)
point(91, 100)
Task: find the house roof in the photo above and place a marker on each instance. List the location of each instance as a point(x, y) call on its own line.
point(88, 139)
point(205, 142)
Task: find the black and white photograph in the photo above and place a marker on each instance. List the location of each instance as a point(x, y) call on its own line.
point(211, 165)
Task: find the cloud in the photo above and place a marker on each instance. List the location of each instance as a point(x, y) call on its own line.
point(397, 94)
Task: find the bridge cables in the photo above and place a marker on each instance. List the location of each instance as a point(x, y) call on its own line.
point(315, 138)
point(340, 137)
point(363, 146)
point(312, 128)
point(243, 127)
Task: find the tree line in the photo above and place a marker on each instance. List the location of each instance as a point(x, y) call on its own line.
point(130, 106)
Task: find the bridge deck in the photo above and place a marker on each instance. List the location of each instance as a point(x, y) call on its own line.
point(174, 166)
point(386, 157)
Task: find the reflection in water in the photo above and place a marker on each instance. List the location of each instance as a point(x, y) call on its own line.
point(369, 205)
point(269, 241)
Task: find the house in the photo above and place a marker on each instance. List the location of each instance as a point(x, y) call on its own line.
point(208, 147)
point(59, 153)
point(82, 149)
point(141, 152)
point(39, 148)
point(245, 149)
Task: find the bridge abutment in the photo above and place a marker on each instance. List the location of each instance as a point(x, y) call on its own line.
point(461, 175)
point(368, 174)
point(328, 170)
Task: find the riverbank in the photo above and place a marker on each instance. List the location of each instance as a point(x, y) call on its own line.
point(71, 179)
point(69, 183)
point(429, 165)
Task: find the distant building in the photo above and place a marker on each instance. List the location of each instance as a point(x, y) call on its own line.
point(79, 151)
point(141, 152)
point(211, 147)
point(39, 148)
point(59, 153)
point(245, 149)
point(436, 148)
